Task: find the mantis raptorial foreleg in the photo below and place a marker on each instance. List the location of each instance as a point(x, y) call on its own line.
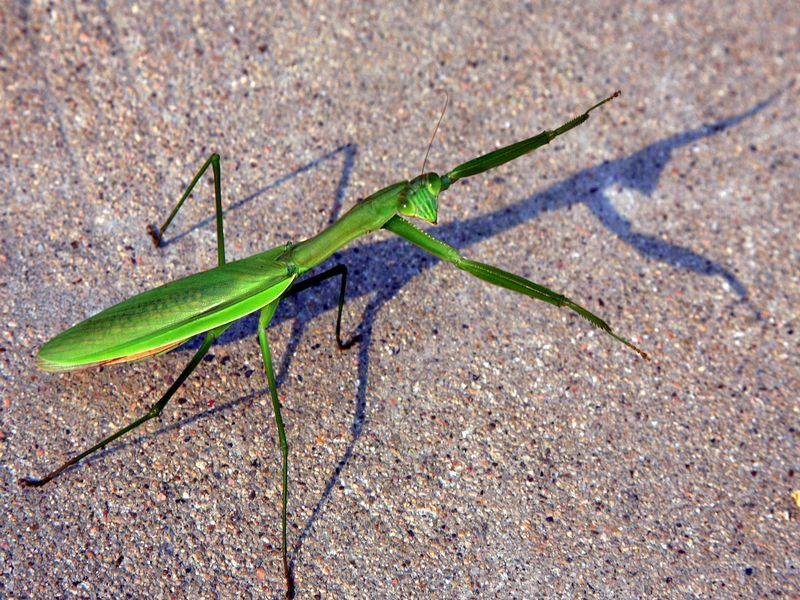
point(498, 276)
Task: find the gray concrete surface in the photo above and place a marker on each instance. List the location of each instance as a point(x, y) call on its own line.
point(476, 444)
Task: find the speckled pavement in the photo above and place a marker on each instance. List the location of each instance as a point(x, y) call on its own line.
point(476, 444)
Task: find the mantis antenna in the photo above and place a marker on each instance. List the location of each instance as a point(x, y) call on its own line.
point(435, 129)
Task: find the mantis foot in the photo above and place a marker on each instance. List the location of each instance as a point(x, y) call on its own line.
point(154, 233)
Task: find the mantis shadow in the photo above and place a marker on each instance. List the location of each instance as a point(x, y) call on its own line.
point(385, 267)
point(640, 171)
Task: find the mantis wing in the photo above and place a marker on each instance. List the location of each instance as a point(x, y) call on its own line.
point(160, 319)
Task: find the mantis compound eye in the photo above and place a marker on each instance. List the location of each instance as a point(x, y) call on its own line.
point(433, 183)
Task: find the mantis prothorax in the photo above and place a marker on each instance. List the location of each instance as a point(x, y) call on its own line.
point(163, 318)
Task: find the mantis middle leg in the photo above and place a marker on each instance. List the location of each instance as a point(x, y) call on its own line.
point(263, 323)
point(298, 287)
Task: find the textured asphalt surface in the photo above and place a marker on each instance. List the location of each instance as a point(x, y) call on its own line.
point(475, 443)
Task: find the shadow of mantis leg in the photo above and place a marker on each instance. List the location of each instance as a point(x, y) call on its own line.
point(157, 233)
point(264, 319)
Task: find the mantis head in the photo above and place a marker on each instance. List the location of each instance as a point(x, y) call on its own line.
point(419, 198)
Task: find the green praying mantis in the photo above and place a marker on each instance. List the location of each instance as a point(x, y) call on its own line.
point(161, 319)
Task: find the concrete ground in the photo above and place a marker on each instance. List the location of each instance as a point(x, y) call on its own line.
point(476, 443)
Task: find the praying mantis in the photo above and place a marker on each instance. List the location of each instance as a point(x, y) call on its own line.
point(163, 318)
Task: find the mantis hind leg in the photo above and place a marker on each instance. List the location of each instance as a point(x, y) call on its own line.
point(263, 323)
point(157, 233)
point(316, 280)
point(153, 412)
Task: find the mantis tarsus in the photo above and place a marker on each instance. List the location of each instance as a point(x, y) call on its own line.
point(163, 318)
